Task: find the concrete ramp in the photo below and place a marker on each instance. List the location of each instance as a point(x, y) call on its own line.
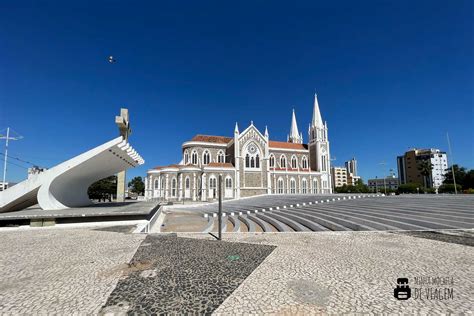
point(66, 184)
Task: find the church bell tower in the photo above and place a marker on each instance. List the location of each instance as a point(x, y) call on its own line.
point(319, 156)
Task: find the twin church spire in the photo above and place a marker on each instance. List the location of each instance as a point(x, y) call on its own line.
point(317, 122)
point(295, 136)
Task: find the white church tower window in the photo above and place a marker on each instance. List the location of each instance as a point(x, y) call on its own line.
point(194, 158)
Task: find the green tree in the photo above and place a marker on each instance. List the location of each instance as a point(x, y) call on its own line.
point(449, 188)
point(409, 188)
point(463, 177)
point(104, 188)
point(137, 186)
point(425, 168)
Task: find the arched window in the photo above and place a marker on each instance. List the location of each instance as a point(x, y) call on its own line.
point(194, 158)
point(173, 187)
point(281, 186)
point(282, 161)
point(228, 183)
point(252, 156)
point(156, 184)
point(304, 162)
point(324, 163)
point(186, 157)
point(294, 162)
point(304, 186)
point(315, 186)
point(213, 187)
point(272, 161)
point(220, 157)
point(187, 183)
point(292, 186)
point(206, 157)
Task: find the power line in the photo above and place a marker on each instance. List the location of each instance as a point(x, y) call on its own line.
point(19, 159)
point(12, 163)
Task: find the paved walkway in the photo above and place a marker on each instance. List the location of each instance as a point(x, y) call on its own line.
point(83, 271)
point(351, 272)
point(56, 271)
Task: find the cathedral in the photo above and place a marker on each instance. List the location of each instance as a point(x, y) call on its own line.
point(250, 164)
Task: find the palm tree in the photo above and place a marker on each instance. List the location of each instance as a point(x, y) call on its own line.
point(425, 168)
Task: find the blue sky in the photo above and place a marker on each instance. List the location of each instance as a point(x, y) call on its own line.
point(390, 75)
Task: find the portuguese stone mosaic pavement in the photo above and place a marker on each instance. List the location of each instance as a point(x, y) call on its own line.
point(173, 275)
point(81, 271)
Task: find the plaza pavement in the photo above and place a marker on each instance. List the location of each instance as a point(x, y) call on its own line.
point(52, 271)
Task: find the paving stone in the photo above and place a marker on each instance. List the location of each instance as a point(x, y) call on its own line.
point(172, 275)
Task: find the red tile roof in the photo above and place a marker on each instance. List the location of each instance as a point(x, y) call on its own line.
point(163, 167)
point(212, 139)
point(175, 166)
point(286, 145)
point(221, 165)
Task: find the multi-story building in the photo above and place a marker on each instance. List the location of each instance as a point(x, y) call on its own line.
point(250, 164)
point(345, 175)
point(408, 167)
point(351, 167)
point(379, 184)
point(339, 176)
point(351, 179)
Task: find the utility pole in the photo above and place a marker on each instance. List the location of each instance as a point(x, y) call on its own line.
point(452, 164)
point(7, 138)
point(220, 207)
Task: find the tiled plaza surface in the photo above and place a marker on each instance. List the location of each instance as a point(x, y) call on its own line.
point(59, 271)
point(84, 271)
point(351, 272)
point(184, 276)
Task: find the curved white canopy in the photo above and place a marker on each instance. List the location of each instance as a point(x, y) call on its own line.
point(66, 184)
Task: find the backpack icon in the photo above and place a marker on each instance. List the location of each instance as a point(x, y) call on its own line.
point(402, 291)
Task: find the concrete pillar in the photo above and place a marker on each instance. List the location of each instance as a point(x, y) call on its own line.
point(167, 187)
point(194, 187)
point(204, 187)
point(180, 192)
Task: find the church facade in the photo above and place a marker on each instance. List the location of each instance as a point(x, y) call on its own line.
point(250, 164)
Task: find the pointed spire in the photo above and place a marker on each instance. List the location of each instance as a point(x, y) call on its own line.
point(266, 131)
point(294, 136)
point(236, 129)
point(317, 120)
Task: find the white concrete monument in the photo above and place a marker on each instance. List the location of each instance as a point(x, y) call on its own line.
point(66, 184)
point(123, 123)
